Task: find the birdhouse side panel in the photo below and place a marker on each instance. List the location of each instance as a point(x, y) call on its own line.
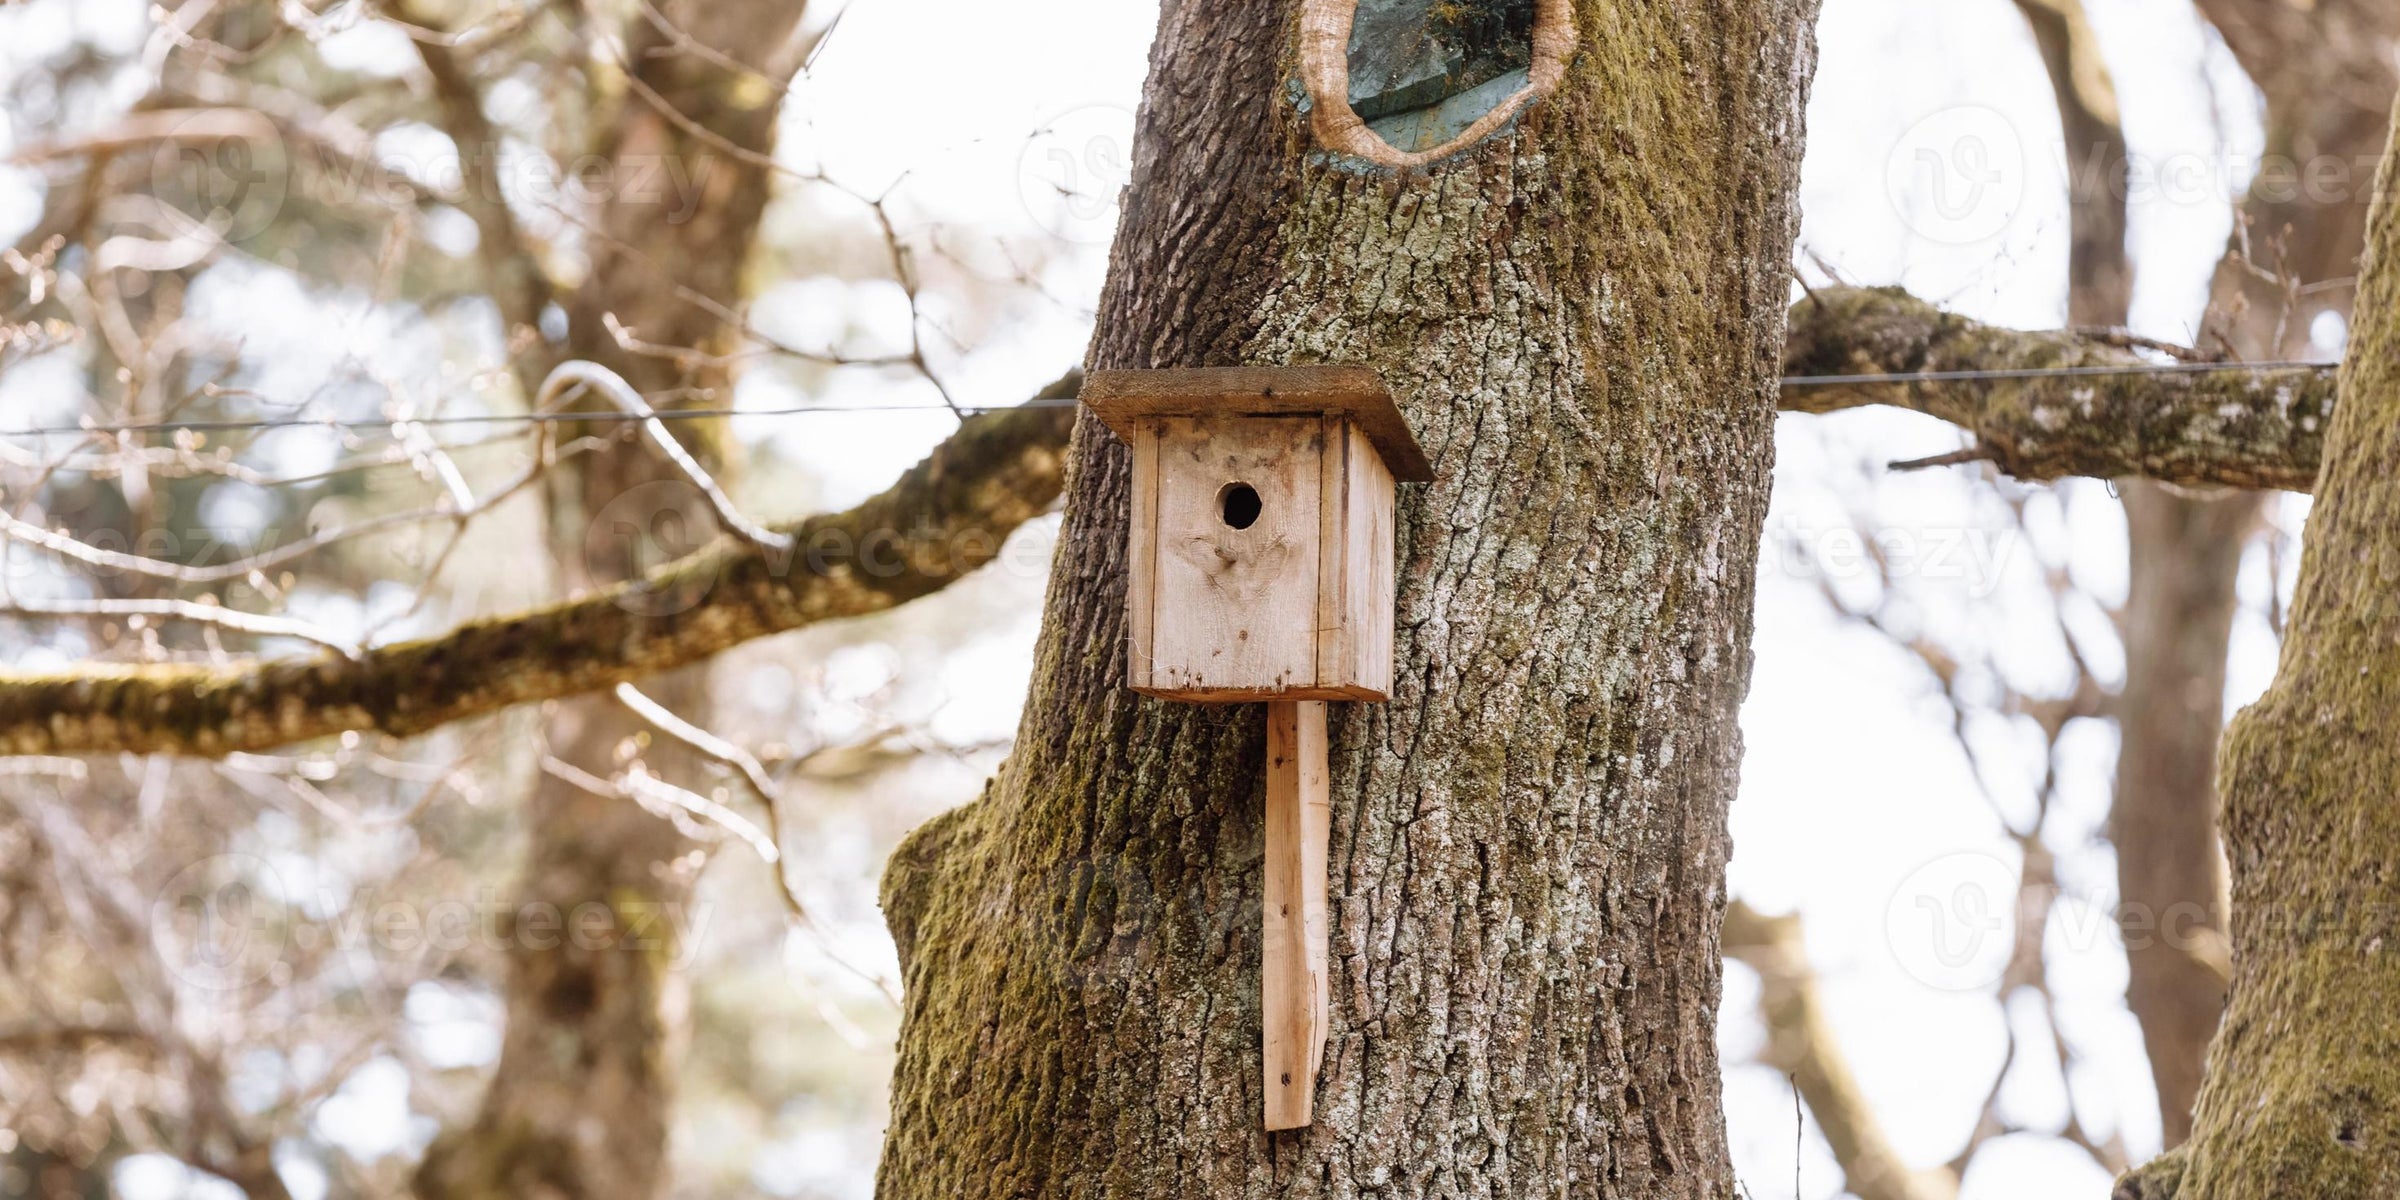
point(1141, 558)
point(1235, 560)
point(1354, 635)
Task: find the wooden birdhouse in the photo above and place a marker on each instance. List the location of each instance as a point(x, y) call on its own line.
point(1260, 564)
point(1260, 548)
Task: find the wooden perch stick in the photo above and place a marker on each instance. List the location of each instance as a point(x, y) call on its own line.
point(1292, 978)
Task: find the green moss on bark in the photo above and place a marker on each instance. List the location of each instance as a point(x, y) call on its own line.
point(2303, 1090)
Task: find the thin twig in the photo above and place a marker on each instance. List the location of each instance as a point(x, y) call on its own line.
point(612, 387)
point(184, 610)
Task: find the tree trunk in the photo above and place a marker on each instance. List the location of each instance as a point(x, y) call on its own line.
point(581, 1104)
point(2303, 1097)
point(1582, 315)
point(2185, 556)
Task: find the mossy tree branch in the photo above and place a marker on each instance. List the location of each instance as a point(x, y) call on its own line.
point(947, 516)
point(2250, 429)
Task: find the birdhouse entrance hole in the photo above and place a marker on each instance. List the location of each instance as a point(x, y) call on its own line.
point(1239, 505)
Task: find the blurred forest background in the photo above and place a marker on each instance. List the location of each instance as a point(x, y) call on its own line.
point(334, 243)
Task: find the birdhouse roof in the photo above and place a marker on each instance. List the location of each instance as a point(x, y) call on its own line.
point(1122, 398)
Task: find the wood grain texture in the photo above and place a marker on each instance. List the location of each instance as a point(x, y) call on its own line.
point(1292, 975)
point(1366, 579)
point(1236, 607)
point(1334, 637)
point(1141, 558)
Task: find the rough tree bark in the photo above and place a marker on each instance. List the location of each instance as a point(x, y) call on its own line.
point(1582, 315)
point(2302, 1096)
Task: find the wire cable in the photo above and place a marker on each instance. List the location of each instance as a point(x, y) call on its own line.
point(707, 414)
point(1802, 381)
point(524, 418)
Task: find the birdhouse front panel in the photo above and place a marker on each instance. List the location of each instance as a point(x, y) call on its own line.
point(1262, 560)
point(1236, 554)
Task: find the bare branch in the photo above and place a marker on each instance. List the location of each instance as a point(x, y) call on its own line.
point(518, 283)
point(727, 753)
point(947, 516)
point(255, 624)
point(669, 802)
point(1800, 1042)
point(253, 566)
point(770, 794)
